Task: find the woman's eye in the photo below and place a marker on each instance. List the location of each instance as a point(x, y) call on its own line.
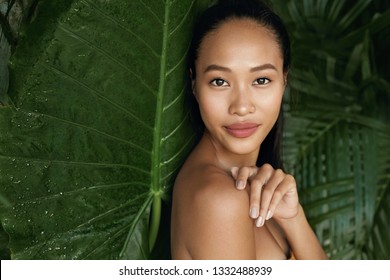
point(261, 81)
point(219, 82)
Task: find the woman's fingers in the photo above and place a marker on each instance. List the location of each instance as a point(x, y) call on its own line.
point(257, 182)
point(270, 191)
point(268, 187)
point(286, 190)
point(242, 175)
point(254, 199)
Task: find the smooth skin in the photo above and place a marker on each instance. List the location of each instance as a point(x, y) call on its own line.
point(239, 82)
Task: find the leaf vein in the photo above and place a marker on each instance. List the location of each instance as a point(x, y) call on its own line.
point(97, 93)
point(176, 100)
point(106, 54)
point(109, 211)
point(189, 141)
point(151, 11)
point(182, 59)
point(121, 26)
point(98, 132)
point(176, 128)
point(183, 19)
point(135, 222)
point(82, 190)
point(64, 162)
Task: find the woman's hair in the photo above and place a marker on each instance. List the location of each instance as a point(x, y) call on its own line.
point(214, 17)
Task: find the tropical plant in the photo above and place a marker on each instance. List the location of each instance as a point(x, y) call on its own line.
point(337, 135)
point(93, 129)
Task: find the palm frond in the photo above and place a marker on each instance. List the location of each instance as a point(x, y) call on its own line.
point(378, 243)
point(337, 136)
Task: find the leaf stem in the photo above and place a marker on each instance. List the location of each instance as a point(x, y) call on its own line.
point(155, 220)
point(156, 152)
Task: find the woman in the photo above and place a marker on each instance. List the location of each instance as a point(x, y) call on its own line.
point(239, 63)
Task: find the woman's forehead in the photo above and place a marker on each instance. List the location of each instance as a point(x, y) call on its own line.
point(239, 40)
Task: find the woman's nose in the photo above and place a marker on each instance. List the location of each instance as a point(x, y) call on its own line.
point(241, 104)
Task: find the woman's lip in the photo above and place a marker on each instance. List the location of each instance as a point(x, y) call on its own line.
point(242, 130)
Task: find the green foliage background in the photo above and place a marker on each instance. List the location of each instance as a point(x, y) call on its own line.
point(93, 127)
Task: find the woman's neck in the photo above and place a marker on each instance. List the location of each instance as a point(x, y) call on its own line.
point(223, 158)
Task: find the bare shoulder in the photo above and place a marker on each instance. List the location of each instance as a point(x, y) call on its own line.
point(208, 188)
point(217, 224)
point(215, 191)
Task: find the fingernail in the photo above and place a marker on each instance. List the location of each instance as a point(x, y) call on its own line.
point(269, 215)
point(240, 184)
point(254, 212)
point(259, 221)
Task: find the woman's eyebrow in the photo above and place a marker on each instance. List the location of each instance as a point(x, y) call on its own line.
point(214, 67)
point(266, 66)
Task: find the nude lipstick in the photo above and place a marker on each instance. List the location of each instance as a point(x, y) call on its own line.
point(242, 130)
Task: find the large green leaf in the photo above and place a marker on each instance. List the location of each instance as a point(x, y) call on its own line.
point(97, 129)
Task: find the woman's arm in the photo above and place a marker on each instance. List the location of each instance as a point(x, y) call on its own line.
point(220, 227)
point(274, 194)
point(303, 242)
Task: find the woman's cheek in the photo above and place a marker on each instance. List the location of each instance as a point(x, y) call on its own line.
point(212, 111)
point(270, 101)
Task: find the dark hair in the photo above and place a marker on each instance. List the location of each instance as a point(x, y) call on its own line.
point(258, 11)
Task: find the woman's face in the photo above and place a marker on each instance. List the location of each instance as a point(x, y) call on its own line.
point(239, 85)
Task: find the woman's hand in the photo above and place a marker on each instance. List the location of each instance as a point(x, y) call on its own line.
point(273, 193)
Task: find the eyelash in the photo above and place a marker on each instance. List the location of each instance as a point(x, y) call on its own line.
point(264, 80)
